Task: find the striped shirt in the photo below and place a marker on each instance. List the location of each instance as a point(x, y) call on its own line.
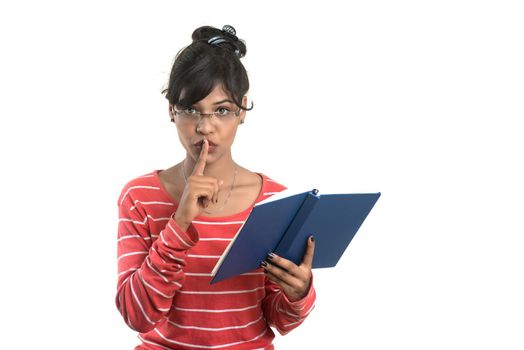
point(163, 289)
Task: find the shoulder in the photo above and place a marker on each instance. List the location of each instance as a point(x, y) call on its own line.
point(138, 186)
point(269, 187)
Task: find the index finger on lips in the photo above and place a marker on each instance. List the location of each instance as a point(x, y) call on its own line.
point(202, 158)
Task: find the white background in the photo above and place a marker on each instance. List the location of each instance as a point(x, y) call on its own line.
point(419, 100)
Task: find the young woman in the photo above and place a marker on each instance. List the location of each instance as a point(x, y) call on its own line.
point(174, 224)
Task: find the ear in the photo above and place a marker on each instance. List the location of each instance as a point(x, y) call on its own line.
point(243, 113)
point(171, 113)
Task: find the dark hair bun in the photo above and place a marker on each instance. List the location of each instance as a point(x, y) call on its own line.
point(225, 38)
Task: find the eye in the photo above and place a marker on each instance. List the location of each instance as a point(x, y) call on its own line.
point(222, 111)
point(190, 111)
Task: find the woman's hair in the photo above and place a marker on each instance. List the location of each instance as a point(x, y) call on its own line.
point(213, 58)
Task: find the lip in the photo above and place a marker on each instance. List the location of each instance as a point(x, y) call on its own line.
point(198, 145)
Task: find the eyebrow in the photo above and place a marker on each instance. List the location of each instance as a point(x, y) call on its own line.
point(219, 102)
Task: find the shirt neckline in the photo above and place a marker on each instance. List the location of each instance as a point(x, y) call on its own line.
point(213, 218)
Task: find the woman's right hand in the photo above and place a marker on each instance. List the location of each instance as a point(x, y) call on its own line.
point(199, 192)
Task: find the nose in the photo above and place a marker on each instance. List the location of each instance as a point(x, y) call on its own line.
point(205, 124)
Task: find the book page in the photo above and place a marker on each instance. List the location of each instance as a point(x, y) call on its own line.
point(286, 193)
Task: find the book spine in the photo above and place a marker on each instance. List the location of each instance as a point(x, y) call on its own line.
point(289, 236)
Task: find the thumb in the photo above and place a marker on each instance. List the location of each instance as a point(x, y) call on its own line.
point(310, 252)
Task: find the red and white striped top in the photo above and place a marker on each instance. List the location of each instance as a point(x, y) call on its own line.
point(163, 287)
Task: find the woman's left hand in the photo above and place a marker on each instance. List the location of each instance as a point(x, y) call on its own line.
point(294, 279)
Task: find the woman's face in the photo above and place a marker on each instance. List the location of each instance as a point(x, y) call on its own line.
point(219, 133)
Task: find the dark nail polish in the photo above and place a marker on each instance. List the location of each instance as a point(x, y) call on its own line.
point(312, 238)
point(270, 256)
point(263, 264)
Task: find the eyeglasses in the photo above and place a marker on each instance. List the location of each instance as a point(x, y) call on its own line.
point(193, 116)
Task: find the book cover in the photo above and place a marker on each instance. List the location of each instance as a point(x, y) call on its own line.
point(283, 226)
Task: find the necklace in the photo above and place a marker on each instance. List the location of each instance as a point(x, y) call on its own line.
point(228, 195)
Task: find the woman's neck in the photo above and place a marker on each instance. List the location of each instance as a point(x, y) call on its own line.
point(221, 169)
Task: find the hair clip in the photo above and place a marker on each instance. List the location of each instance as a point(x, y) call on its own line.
point(230, 34)
point(227, 29)
point(216, 40)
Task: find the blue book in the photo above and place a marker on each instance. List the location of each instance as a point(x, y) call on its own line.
point(284, 225)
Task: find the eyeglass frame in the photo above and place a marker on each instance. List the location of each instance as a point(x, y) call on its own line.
point(200, 114)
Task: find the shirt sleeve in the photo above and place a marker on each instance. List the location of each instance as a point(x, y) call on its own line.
point(149, 273)
point(283, 314)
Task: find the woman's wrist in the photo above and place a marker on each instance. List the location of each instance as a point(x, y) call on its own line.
point(181, 222)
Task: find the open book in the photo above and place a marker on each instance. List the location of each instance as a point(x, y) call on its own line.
point(284, 225)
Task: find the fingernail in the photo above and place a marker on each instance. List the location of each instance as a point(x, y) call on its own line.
point(270, 256)
point(263, 264)
point(312, 238)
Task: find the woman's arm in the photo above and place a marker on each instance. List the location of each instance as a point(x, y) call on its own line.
point(283, 314)
point(290, 295)
point(148, 274)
